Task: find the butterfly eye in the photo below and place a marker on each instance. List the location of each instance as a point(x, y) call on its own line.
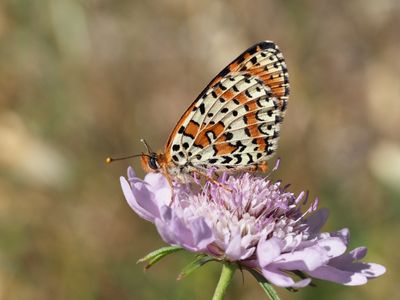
point(153, 163)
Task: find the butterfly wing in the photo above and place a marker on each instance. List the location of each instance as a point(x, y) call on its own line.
point(235, 121)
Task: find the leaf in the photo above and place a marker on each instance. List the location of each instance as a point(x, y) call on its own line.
point(156, 255)
point(199, 261)
point(266, 286)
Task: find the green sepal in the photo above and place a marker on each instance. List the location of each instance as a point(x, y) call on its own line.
point(156, 255)
point(199, 261)
point(266, 286)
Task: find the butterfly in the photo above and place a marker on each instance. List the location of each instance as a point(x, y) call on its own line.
point(234, 124)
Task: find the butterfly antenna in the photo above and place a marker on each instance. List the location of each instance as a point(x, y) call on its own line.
point(148, 148)
point(111, 159)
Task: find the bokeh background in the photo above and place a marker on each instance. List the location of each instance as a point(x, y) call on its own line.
point(80, 80)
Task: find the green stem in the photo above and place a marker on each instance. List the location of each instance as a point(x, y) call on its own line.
point(228, 269)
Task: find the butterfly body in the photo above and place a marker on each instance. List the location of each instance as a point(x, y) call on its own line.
point(234, 123)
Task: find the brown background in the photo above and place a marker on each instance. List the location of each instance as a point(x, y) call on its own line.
point(80, 80)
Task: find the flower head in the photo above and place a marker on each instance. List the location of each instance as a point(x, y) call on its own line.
point(252, 221)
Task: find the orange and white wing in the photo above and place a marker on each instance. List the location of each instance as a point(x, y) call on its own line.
point(235, 121)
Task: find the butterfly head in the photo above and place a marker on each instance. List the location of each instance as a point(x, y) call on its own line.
point(151, 162)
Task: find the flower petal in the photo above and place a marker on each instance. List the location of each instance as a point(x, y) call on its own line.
point(268, 250)
point(304, 260)
point(317, 220)
point(171, 228)
point(369, 270)
point(339, 276)
point(194, 236)
point(346, 259)
point(133, 203)
point(281, 279)
point(358, 253)
point(145, 198)
point(343, 234)
point(160, 187)
point(233, 250)
point(333, 246)
point(372, 270)
point(131, 173)
point(202, 233)
point(247, 253)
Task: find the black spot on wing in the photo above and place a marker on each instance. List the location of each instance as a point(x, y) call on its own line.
point(224, 72)
point(259, 115)
point(228, 136)
point(239, 145)
point(202, 108)
point(238, 158)
point(278, 119)
point(222, 87)
point(226, 159)
point(262, 128)
point(198, 145)
point(284, 105)
point(267, 45)
point(215, 150)
point(224, 110)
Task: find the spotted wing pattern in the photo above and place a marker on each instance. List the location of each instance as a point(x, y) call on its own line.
point(235, 121)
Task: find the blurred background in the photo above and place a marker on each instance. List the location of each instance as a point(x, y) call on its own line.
point(80, 80)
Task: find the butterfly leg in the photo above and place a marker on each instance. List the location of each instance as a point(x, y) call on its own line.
point(169, 180)
point(262, 167)
point(209, 178)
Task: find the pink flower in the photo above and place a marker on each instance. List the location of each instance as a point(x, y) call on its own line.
point(251, 221)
